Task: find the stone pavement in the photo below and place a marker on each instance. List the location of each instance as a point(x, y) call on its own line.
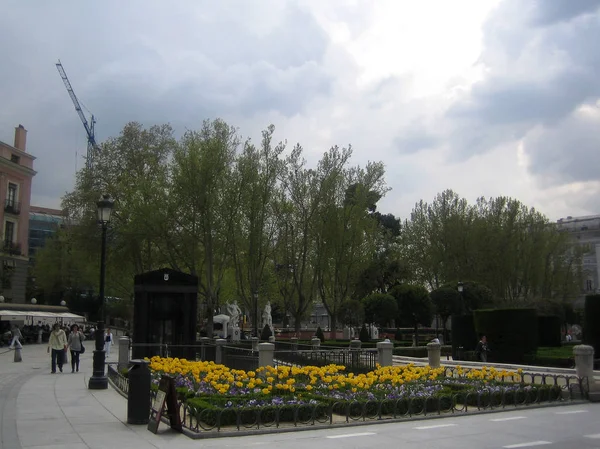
point(39, 410)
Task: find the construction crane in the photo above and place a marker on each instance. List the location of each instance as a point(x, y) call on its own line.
point(92, 147)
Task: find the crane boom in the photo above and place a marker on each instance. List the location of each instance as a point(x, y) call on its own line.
point(89, 127)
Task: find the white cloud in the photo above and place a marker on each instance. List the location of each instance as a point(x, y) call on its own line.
point(487, 98)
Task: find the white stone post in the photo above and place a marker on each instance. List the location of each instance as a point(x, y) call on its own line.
point(433, 354)
point(315, 343)
point(219, 357)
point(355, 351)
point(18, 357)
point(123, 353)
point(265, 354)
point(271, 338)
point(255, 342)
point(584, 362)
point(385, 352)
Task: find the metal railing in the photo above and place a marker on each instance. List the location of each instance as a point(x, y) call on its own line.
point(519, 390)
point(357, 361)
point(242, 358)
point(12, 207)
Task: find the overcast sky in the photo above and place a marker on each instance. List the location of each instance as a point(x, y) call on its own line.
point(489, 98)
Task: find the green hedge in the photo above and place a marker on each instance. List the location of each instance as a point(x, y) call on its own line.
point(591, 324)
point(512, 334)
point(463, 334)
point(549, 331)
point(420, 351)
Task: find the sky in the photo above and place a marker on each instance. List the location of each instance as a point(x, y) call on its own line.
point(485, 97)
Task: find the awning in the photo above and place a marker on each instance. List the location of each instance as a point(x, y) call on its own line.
point(12, 315)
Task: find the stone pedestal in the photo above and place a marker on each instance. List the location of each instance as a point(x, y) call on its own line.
point(433, 354)
point(385, 353)
point(255, 342)
point(234, 333)
point(271, 338)
point(123, 353)
point(220, 342)
point(347, 335)
point(265, 354)
point(315, 343)
point(355, 351)
point(584, 362)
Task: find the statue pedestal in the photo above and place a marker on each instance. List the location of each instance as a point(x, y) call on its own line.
point(234, 333)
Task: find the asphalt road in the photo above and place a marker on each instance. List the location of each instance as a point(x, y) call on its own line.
point(568, 427)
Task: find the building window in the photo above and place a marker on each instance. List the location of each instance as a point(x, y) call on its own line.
point(11, 195)
point(14, 158)
point(9, 233)
point(589, 285)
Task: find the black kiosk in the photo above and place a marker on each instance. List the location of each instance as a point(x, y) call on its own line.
point(164, 314)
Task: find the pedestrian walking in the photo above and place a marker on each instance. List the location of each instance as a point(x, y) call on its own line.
point(16, 336)
point(75, 342)
point(481, 350)
point(108, 341)
point(58, 343)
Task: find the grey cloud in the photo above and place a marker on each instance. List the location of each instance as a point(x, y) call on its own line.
point(547, 12)
point(150, 62)
point(538, 77)
point(568, 152)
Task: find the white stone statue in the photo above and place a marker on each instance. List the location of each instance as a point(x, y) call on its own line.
point(234, 311)
point(267, 318)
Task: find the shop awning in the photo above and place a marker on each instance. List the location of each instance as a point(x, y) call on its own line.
point(13, 315)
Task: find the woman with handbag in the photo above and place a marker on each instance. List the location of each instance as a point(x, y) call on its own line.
point(58, 344)
point(76, 344)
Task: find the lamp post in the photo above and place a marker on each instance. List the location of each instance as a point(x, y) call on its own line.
point(255, 314)
point(99, 381)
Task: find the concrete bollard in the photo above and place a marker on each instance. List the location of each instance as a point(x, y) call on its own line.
point(123, 353)
point(355, 351)
point(39, 337)
point(294, 342)
point(204, 342)
point(18, 357)
point(385, 353)
point(255, 342)
point(220, 356)
point(271, 338)
point(584, 362)
point(433, 354)
point(315, 343)
point(266, 352)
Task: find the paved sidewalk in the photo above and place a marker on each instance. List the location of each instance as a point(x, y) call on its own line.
point(39, 410)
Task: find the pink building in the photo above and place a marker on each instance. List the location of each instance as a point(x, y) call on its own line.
point(16, 174)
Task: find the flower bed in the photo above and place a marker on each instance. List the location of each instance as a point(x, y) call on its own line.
point(218, 396)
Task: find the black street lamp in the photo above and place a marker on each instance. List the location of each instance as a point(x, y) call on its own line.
point(255, 317)
point(99, 381)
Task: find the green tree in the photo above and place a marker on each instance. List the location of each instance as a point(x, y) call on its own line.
point(446, 302)
point(414, 306)
point(202, 206)
point(255, 185)
point(380, 308)
point(351, 313)
point(346, 232)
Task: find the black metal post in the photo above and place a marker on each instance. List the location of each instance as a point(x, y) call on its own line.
point(255, 315)
point(99, 381)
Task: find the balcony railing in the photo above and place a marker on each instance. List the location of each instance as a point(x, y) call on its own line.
point(12, 207)
point(14, 249)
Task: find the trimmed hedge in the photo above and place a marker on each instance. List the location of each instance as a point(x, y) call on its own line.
point(591, 324)
point(512, 334)
point(463, 334)
point(549, 331)
point(420, 351)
